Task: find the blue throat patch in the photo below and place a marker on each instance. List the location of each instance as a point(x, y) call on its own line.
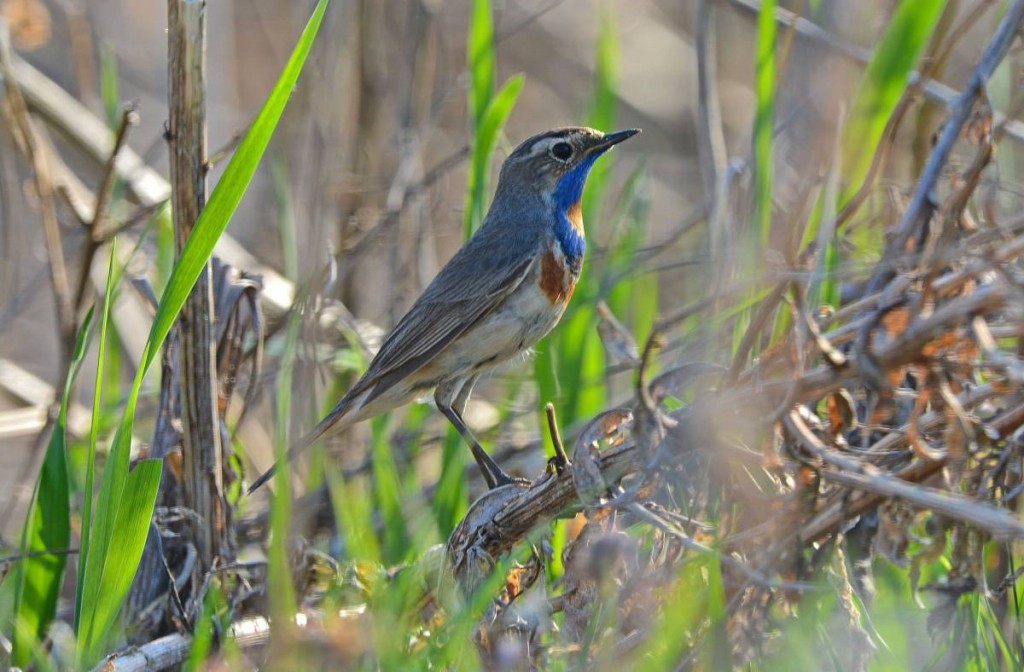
point(568, 192)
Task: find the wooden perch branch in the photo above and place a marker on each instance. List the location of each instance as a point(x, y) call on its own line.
point(502, 517)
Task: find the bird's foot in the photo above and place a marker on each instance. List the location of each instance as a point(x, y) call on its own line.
point(494, 476)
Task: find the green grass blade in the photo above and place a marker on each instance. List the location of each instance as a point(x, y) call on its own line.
point(132, 522)
point(688, 595)
point(481, 60)
point(90, 459)
point(634, 297)
point(586, 394)
point(282, 592)
point(163, 224)
point(108, 85)
point(606, 74)
point(229, 190)
point(485, 137)
point(825, 287)
point(202, 636)
point(572, 359)
point(47, 527)
point(283, 197)
point(353, 509)
point(764, 119)
point(451, 498)
point(882, 85)
point(125, 501)
point(602, 110)
point(717, 652)
point(387, 491)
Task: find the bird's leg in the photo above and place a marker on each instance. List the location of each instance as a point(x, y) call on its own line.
point(493, 475)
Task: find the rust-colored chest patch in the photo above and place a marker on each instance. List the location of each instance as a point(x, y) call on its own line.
point(555, 279)
point(575, 216)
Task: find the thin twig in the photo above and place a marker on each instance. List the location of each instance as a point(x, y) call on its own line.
point(556, 437)
point(129, 119)
point(690, 543)
point(15, 557)
point(143, 183)
point(710, 138)
point(97, 235)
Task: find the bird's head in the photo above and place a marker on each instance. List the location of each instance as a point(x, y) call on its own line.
point(555, 164)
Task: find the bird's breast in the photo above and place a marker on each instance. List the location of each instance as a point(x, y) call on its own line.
point(557, 277)
point(574, 213)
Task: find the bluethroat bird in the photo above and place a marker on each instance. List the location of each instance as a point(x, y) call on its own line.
point(505, 288)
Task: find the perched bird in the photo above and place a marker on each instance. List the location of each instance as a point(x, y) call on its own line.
point(505, 288)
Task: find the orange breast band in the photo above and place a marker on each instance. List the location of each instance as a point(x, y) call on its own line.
point(575, 215)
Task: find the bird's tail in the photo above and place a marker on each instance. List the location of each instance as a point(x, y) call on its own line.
point(341, 416)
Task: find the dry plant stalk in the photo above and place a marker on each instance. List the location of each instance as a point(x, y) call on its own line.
point(203, 476)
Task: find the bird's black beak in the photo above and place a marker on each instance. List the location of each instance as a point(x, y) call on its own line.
point(612, 139)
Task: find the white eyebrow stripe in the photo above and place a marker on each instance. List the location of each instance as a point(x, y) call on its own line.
point(542, 146)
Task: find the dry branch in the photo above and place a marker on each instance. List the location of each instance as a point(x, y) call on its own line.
point(503, 517)
point(866, 477)
point(146, 185)
point(97, 224)
point(933, 90)
point(202, 456)
point(171, 650)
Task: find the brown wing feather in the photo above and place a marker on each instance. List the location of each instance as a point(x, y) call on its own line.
point(431, 325)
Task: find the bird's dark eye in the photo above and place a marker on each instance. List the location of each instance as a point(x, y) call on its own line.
point(561, 151)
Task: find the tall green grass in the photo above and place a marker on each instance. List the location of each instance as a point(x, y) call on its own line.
point(396, 533)
point(631, 292)
point(883, 83)
point(750, 246)
point(47, 531)
point(569, 365)
point(764, 120)
point(114, 534)
point(488, 110)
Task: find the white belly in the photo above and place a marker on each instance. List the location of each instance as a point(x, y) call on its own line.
point(525, 317)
